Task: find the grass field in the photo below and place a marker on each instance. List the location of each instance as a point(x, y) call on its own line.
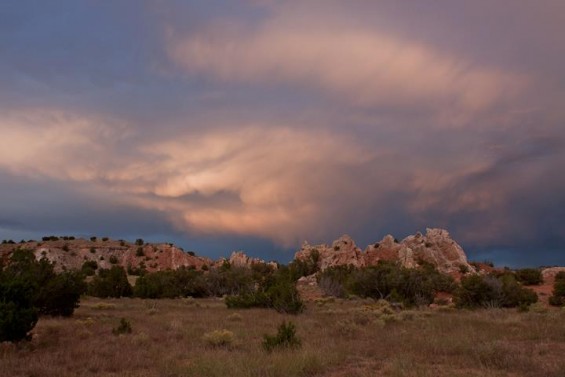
point(339, 338)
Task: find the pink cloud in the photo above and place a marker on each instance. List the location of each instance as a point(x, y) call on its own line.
point(361, 65)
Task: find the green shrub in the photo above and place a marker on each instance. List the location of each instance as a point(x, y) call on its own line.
point(491, 291)
point(60, 295)
point(139, 252)
point(333, 280)
point(529, 276)
point(284, 297)
point(89, 267)
point(105, 239)
point(113, 259)
point(558, 297)
point(54, 294)
point(93, 239)
point(18, 315)
point(285, 338)
point(182, 282)
point(139, 242)
point(123, 328)
point(390, 281)
point(277, 291)
point(29, 288)
point(111, 282)
point(309, 266)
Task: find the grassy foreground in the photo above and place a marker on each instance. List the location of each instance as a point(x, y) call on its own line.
point(339, 338)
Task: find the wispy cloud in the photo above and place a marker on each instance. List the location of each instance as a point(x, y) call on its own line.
point(362, 65)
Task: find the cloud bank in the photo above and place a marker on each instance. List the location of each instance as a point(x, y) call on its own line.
point(265, 124)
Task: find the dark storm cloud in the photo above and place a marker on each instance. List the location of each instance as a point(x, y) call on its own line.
point(258, 124)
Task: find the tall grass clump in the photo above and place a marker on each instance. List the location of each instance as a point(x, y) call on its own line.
point(219, 338)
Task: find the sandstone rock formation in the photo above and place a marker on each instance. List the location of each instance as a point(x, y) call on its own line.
point(435, 247)
point(548, 274)
point(239, 259)
point(343, 251)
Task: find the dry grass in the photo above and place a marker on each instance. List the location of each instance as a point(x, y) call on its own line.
point(340, 338)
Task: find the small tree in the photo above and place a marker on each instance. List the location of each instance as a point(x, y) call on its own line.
point(558, 297)
point(61, 294)
point(111, 282)
point(18, 315)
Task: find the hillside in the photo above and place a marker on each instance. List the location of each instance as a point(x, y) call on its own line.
point(69, 253)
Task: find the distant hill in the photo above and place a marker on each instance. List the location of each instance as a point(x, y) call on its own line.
point(71, 253)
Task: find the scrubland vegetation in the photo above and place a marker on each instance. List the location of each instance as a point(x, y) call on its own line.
point(338, 337)
point(229, 321)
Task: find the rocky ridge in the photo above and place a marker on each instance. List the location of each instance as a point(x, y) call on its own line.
point(71, 254)
point(435, 247)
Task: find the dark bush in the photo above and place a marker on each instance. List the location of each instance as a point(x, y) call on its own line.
point(558, 297)
point(113, 259)
point(139, 242)
point(29, 288)
point(123, 328)
point(390, 281)
point(285, 338)
point(93, 239)
point(18, 314)
point(137, 271)
point(333, 280)
point(111, 282)
point(182, 282)
point(491, 291)
point(104, 239)
point(284, 297)
point(309, 266)
point(139, 252)
point(277, 291)
point(228, 280)
point(60, 295)
point(55, 294)
point(89, 267)
point(529, 276)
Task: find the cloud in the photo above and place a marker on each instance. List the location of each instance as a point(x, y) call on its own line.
point(278, 179)
point(363, 65)
point(56, 143)
point(271, 122)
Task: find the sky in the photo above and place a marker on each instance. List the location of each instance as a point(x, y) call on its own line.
point(226, 125)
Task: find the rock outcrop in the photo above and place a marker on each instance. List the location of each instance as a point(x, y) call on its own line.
point(239, 259)
point(435, 247)
point(548, 274)
point(343, 251)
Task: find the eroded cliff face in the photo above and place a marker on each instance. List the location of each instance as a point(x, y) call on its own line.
point(435, 247)
point(71, 254)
